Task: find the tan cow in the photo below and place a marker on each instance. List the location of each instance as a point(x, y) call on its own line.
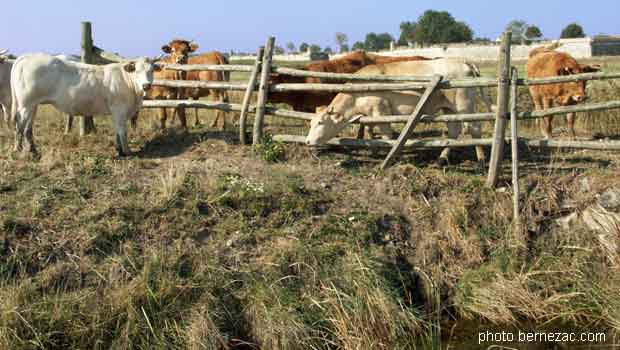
point(348, 107)
point(546, 62)
point(464, 99)
point(77, 89)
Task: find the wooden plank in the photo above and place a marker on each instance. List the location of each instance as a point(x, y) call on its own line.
point(415, 117)
point(585, 107)
point(208, 67)
point(503, 92)
point(216, 85)
point(451, 84)
point(389, 144)
point(432, 144)
point(569, 78)
point(514, 95)
point(600, 145)
point(87, 124)
point(263, 91)
point(248, 96)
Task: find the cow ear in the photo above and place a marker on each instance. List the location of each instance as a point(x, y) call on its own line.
point(166, 49)
point(193, 47)
point(130, 67)
point(590, 68)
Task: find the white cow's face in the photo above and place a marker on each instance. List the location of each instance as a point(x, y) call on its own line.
point(142, 71)
point(325, 126)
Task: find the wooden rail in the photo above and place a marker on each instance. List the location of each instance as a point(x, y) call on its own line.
point(388, 144)
point(209, 67)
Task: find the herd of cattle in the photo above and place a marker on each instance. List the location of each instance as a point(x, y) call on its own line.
point(118, 90)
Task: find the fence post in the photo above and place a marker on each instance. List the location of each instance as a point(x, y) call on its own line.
point(515, 147)
point(87, 125)
point(263, 91)
point(248, 95)
point(503, 92)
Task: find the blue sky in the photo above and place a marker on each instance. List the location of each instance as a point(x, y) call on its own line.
point(133, 27)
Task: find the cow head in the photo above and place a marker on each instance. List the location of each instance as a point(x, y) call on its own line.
point(179, 50)
point(574, 92)
point(142, 71)
point(331, 120)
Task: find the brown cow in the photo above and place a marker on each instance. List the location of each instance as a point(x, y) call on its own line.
point(219, 95)
point(178, 51)
point(306, 101)
point(546, 62)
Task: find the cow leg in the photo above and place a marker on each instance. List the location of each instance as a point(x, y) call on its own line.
point(547, 125)
point(163, 115)
point(181, 113)
point(120, 127)
point(196, 117)
point(68, 123)
point(475, 130)
point(19, 129)
point(27, 118)
point(360, 131)
point(454, 130)
point(570, 121)
point(134, 121)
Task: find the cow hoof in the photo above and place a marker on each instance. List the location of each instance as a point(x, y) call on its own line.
point(442, 162)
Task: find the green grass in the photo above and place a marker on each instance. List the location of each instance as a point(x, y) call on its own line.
point(196, 242)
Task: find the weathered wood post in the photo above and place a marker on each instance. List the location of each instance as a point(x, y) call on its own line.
point(411, 123)
point(263, 91)
point(515, 147)
point(87, 125)
point(503, 93)
point(248, 95)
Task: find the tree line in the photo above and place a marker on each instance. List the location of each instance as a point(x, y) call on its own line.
point(432, 27)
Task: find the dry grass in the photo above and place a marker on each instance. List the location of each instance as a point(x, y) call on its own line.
point(196, 242)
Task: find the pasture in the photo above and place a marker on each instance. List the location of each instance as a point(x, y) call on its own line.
point(197, 242)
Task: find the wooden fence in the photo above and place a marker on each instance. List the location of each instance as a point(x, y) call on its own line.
point(506, 84)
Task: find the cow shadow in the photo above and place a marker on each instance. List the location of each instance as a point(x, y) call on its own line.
point(171, 142)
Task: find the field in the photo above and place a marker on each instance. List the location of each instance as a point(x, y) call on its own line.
point(197, 242)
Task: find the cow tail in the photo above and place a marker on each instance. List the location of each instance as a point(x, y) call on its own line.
point(485, 98)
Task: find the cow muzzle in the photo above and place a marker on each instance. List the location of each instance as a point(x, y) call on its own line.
point(579, 98)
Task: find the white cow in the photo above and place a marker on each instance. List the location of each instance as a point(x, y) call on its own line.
point(464, 99)
point(5, 86)
point(77, 89)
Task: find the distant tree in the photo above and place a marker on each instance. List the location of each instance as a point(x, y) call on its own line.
point(290, 46)
point(342, 39)
point(377, 42)
point(384, 40)
point(482, 40)
point(518, 28)
point(303, 47)
point(573, 30)
point(435, 27)
point(358, 45)
point(407, 33)
point(533, 32)
point(315, 48)
point(344, 48)
point(328, 50)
